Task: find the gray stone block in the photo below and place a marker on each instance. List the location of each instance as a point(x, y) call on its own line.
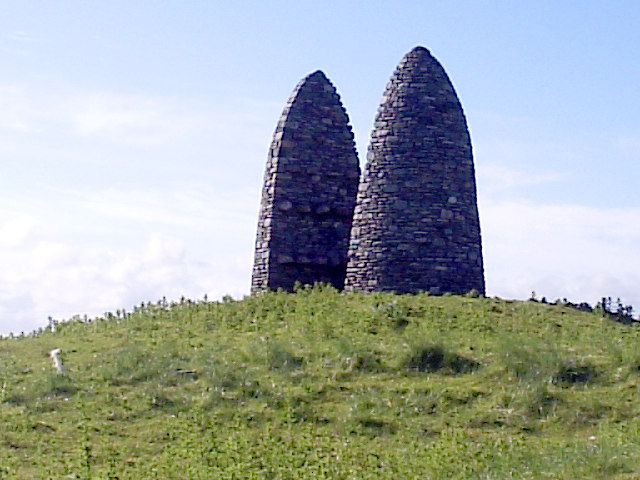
point(417, 200)
point(310, 184)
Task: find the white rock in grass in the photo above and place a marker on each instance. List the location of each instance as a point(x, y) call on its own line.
point(57, 363)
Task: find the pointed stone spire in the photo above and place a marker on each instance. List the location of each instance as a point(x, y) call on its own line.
point(309, 192)
point(415, 225)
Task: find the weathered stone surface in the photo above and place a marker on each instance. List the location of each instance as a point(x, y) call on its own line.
point(415, 225)
point(309, 192)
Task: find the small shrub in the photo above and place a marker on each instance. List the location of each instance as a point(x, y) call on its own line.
point(15, 399)
point(400, 323)
point(376, 426)
point(281, 359)
point(434, 358)
point(572, 372)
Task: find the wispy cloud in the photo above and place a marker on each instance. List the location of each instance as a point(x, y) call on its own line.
point(131, 119)
point(182, 205)
point(628, 143)
point(125, 119)
point(134, 119)
point(495, 178)
point(17, 42)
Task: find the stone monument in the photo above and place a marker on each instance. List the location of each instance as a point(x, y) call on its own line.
point(309, 192)
point(415, 225)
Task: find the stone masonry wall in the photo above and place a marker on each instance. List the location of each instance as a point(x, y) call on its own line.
point(415, 225)
point(309, 192)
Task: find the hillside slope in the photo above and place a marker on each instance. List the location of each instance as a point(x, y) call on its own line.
point(320, 384)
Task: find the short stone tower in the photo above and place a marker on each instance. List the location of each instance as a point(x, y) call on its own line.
point(415, 225)
point(309, 192)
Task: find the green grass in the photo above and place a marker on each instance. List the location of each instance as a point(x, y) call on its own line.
point(320, 384)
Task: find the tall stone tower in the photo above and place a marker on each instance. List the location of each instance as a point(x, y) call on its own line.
point(309, 192)
point(415, 225)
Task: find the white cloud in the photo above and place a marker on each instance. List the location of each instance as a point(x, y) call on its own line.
point(571, 251)
point(96, 258)
point(16, 230)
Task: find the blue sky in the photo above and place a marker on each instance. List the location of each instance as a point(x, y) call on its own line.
point(133, 138)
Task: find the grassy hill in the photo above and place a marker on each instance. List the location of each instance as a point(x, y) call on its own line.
point(319, 384)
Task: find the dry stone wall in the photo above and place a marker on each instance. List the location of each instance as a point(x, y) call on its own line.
point(415, 225)
point(309, 192)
